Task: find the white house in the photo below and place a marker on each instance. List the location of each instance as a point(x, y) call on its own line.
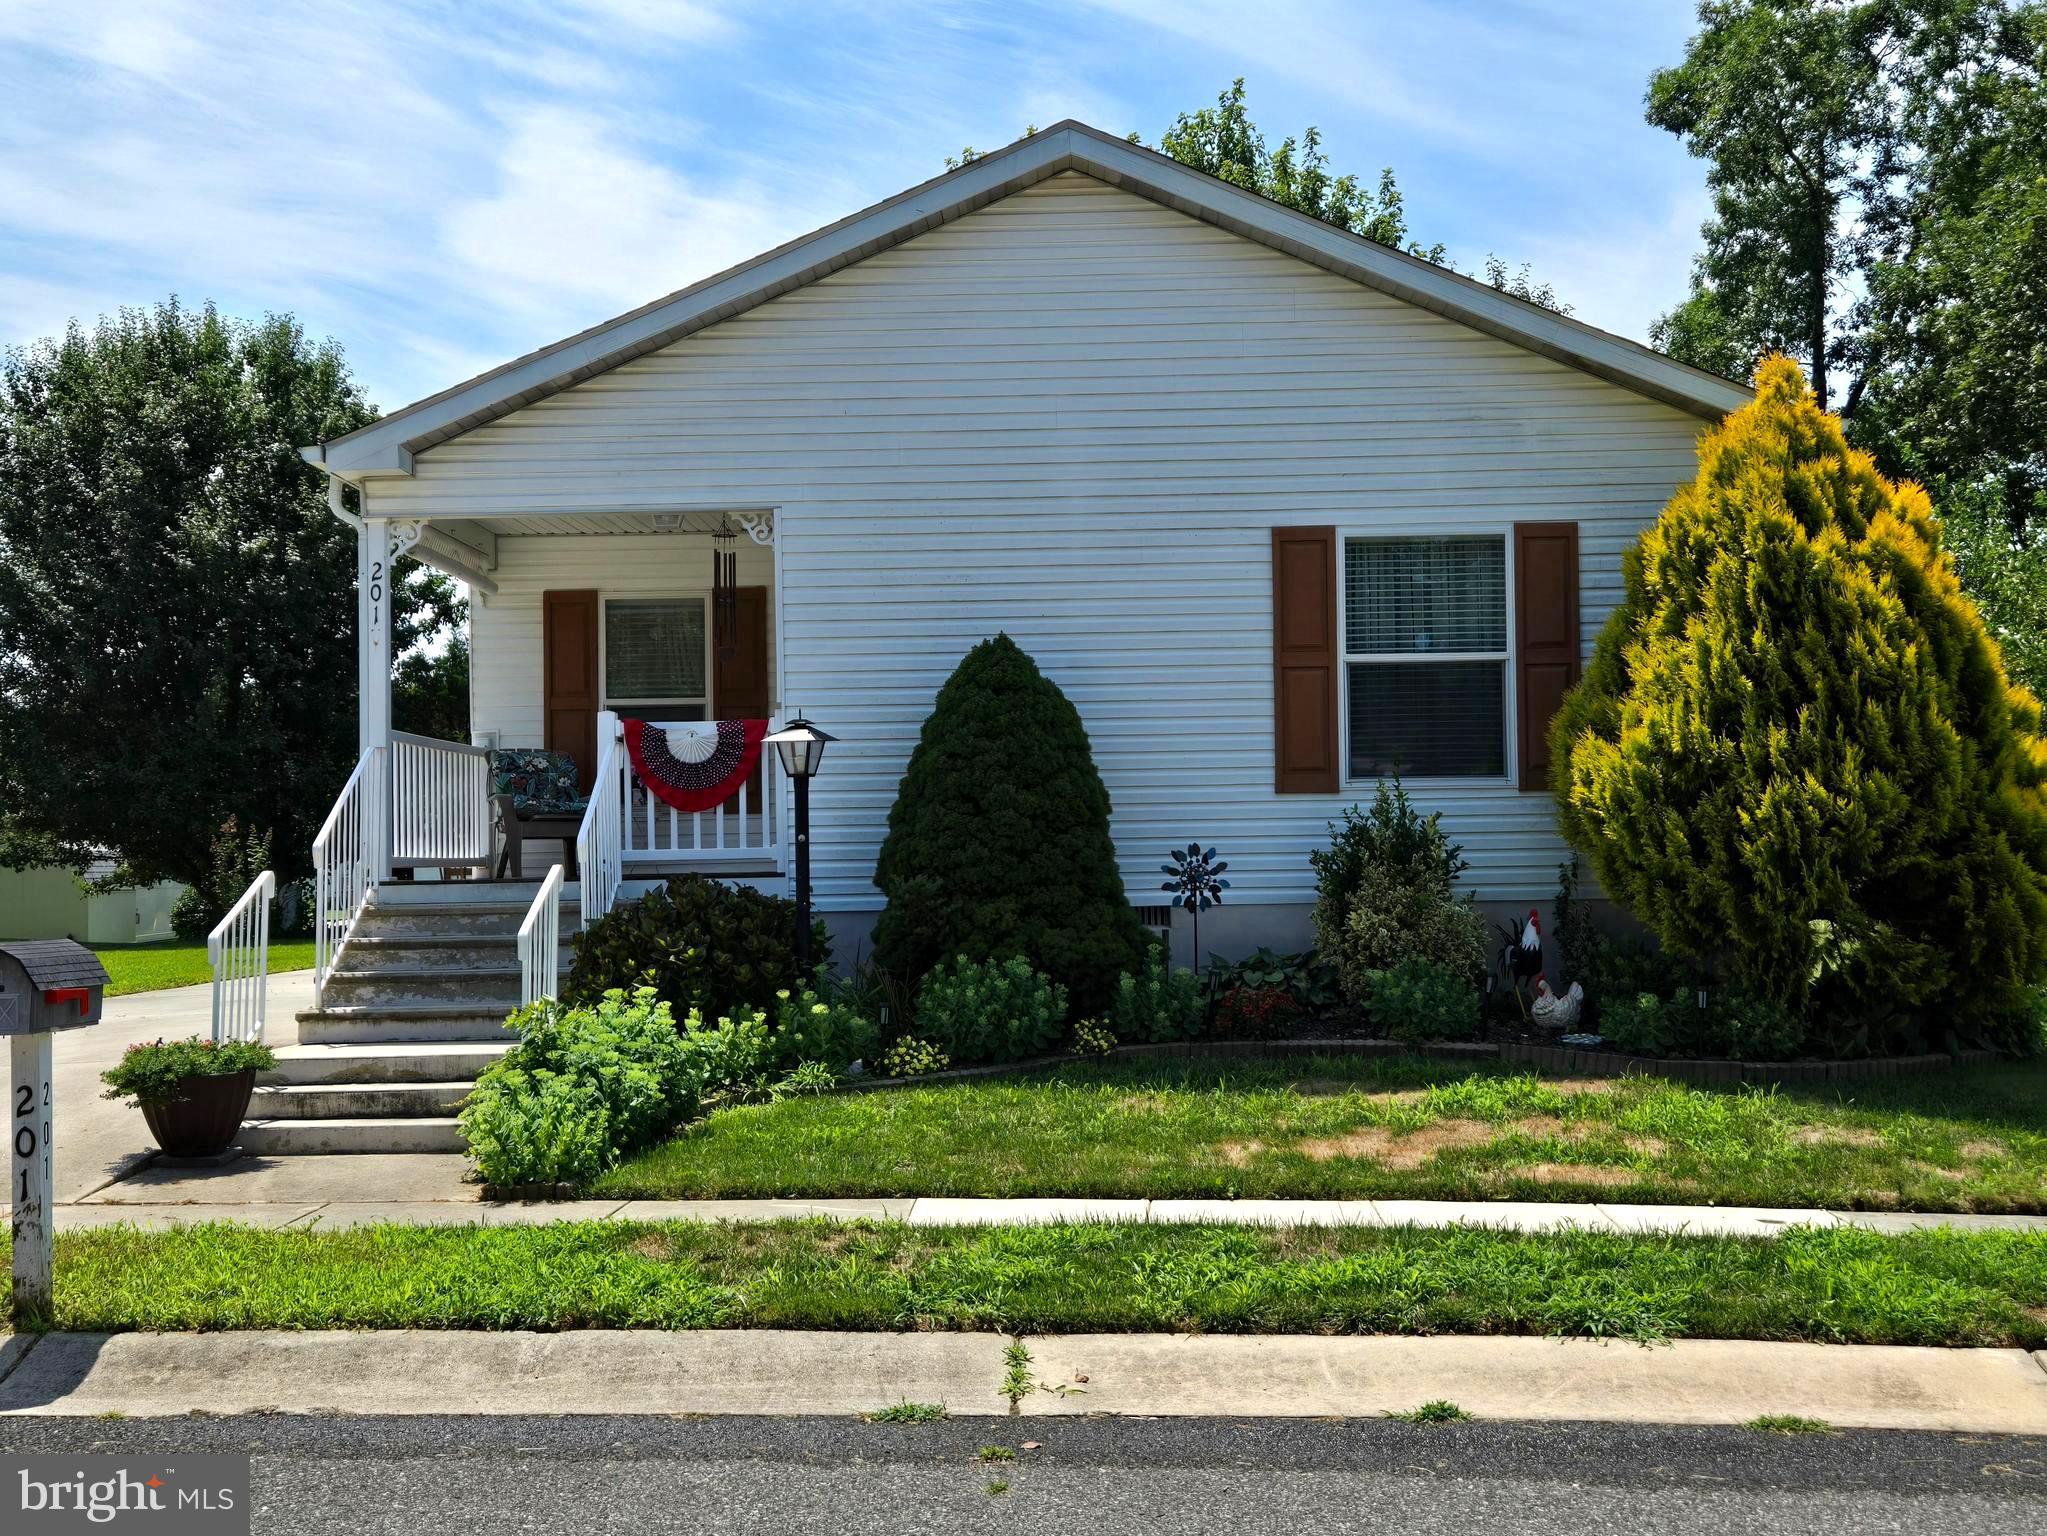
point(1279, 508)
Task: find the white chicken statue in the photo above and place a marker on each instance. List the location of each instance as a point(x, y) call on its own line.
point(1553, 1011)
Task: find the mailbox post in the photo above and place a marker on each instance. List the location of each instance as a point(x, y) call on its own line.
point(45, 986)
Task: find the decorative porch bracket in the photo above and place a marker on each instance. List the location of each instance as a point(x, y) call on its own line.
point(760, 527)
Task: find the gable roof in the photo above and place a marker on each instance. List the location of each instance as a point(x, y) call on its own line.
point(386, 446)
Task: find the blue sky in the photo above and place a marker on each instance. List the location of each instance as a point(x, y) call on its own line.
point(442, 186)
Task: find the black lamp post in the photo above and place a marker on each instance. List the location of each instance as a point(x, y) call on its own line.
point(801, 746)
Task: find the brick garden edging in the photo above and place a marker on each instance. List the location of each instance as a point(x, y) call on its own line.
point(1562, 1059)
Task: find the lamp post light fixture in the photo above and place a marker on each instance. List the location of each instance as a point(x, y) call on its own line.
point(801, 747)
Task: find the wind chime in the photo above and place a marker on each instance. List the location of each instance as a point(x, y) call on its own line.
point(725, 586)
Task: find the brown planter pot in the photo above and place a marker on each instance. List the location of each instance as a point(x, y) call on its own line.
point(203, 1119)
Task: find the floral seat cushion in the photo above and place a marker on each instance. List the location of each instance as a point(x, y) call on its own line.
point(541, 783)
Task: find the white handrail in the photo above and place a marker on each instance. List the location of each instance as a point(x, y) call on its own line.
point(347, 863)
point(440, 801)
point(238, 949)
point(600, 839)
point(540, 938)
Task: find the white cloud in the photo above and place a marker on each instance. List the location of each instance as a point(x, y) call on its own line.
point(1621, 276)
point(581, 216)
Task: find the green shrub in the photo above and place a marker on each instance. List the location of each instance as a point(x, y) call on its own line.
point(150, 1073)
point(814, 1026)
point(1419, 999)
point(911, 1057)
point(1735, 1022)
point(586, 1085)
point(1157, 1002)
point(537, 1128)
point(1306, 977)
point(1391, 837)
point(1385, 891)
point(1392, 919)
point(699, 943)
point(1636, 1023)
point(1796, 735)
point(192, 915)
point(998, 842)
point(996, 1010)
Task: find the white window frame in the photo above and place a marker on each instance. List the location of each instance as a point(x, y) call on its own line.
point(1504, 532)
point(627, 707)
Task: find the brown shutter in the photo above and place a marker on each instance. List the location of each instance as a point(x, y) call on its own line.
point(569, 690)
point(1545, 636)
point(1304, 664)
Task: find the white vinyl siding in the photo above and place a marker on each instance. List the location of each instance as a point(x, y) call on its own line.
point(1075, 416)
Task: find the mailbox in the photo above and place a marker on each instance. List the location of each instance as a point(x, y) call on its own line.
point(49, 984)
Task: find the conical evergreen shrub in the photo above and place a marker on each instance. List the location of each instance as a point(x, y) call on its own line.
point(1796, 754)
point(998, 843)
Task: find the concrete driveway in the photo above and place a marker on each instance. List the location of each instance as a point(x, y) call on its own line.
point(100, 1140)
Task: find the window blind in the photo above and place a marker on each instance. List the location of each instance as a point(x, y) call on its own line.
point(654, 649)
point(1428, 719)
point(1412, 597)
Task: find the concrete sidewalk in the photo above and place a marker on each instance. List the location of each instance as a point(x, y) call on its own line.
point(326, 1194)
point(1987, 1391)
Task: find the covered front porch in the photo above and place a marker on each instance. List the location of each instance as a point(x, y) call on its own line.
point(579, 624)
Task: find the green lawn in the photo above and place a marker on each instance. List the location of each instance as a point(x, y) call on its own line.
point(1357, 1127)
point(1939, 1287)
point(151, 967)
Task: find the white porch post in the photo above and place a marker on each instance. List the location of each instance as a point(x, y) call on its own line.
point(378, 546)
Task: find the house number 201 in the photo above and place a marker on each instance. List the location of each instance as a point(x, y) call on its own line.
point(29, 1138)
point(376, 591)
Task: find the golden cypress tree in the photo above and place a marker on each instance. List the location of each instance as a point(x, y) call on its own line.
point(1796, 754)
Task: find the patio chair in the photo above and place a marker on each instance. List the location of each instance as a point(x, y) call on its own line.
point(534, 795)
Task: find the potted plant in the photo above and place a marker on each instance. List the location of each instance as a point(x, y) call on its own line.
point(193, 1092)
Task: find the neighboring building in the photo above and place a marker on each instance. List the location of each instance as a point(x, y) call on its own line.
point(1279, 508)
point(54, 903)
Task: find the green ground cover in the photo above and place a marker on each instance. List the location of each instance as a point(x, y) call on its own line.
point(152, 967)
point(1938, 1287)
point(1972, 1140)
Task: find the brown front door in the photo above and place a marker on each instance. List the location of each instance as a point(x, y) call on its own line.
point(570, 687)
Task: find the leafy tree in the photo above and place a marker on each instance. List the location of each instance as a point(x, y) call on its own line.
point(1879, 171)
point(1796, 755)
point(430, 689)
point(1223, 142)
point(998, 843)
point(177, 612)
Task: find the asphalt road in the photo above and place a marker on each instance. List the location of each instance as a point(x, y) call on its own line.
point(454, 1476)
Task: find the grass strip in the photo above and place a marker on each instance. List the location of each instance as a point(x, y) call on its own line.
point(1938, 1287)
point(1348, 1127)
point(152, 967)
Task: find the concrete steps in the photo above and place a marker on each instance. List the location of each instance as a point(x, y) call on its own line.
point(358, 1101)
point(418, 1061)
point(414, 1010)
point(300, 1138)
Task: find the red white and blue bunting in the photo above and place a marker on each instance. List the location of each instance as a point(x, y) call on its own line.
point(696, 767)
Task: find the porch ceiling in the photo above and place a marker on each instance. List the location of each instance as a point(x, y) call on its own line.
point(555, 524)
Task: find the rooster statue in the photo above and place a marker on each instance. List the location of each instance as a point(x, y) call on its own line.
point(1521, 957)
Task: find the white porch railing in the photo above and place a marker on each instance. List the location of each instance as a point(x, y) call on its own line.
point(440, 801)
point(744, 830)
point(600, 840)
point(238, 949)
point(540, 938)
point(348, 860)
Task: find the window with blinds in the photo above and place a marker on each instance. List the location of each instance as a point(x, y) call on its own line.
point(656, 658)
point(1425, 656)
